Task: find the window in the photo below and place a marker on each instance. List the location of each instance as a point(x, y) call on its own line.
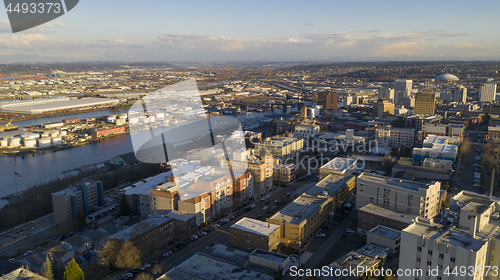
point(419, 249)
point(452, 259)
point(429, 263)
point(418, 259)
point(429, 252)
point(441, 256)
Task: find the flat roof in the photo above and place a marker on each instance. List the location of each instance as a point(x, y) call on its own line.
point(390, 214)
point(299, 210)
point(476, 207)
point(145, 186)
point(400, 183)
point(130, 232)
point(59, 105)
point(454, 237)
point(256, 226)
point(331, 184)
point(386, 232)
point(270, 256)
point(203, 267)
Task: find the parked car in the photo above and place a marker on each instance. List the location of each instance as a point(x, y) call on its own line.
point(320, 234)
point(265, 207)
point(350, 231)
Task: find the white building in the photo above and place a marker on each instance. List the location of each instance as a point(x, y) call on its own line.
point(472, 240)
point(398, 195)
point(395, 137)
point(487, 92)
point(386, 93)
point(402, 88)
point(306, 130)
point(460, 94)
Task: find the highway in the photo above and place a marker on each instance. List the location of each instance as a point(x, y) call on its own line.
point(26, 230)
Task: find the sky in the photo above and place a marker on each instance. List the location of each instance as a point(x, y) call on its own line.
point(212, 31)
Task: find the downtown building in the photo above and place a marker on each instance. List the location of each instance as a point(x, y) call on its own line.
point(398, 195)
point(439, 129)
point(460, 94)
point(467, 236)
point(386, 93)
point(393, 137)
point(402, 89)
point(250, 234)
point(281, 147)
point(487, 92)
point(425, 103)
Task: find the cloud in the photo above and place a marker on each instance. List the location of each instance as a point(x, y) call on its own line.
point(352, 45)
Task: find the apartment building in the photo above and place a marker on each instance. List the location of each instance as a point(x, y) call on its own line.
point(392, 137)
point(249, 234)
point(78, 197)
point(149, 235)
point(338, 165)
point(300, 219)
point(436, 147)
point(398, 195)
point(339, 188)
point(281, 147)
point(332, 101)
point(283, 173)
point(372, 215)
point(243, 188)
point(439, 129)
point(260, 166)
point(460, 94)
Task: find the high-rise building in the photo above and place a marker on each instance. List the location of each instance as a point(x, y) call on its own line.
point(487, 92)
point(460, 94)
point(425, 104)
point(402, 88)
point(77, 198)
point(395, 137)
point(383, 108)
point(332, 101)
point(386, 93)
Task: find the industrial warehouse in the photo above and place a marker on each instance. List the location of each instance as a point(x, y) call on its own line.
point(40, 106)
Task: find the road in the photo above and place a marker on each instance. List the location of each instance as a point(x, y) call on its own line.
point(26, 230)
point(466, 180)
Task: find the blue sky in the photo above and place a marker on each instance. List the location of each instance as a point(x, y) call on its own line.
point(202, 31)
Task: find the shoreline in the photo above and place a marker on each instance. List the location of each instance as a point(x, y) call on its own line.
point(37, 116)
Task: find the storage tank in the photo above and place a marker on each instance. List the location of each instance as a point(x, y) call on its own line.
point(4, 142)
point(111, 118)
point(120, 122)
point(142, 119)
point(63, 133)
point(44, 142)
point(133, 120)
point(122, 116)
point(30, 143)
point(15, 141)
point(152, 119)
point(27, 136)
point(54, 133)
point(44, 135)
point(160, 115)
point(56, 140)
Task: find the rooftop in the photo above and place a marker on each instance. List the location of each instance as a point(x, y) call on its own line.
point(256, 226)
point(140, 227)
point(331, 185)
point(386, 232)
point(203, 267)
point(300, 210)
point(390, 214)
point(399, 183)
point(270, 256)
point(144, 187)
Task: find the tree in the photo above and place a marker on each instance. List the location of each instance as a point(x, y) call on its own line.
point(73, 271)
point(47, 272)
point(107, 255)
point(157, 269)
point(486, 119)
point(144, 276)
point(128, 257)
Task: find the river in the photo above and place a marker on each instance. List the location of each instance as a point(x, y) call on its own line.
point(46, 167)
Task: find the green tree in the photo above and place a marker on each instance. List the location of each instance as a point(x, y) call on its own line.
point(47, 272)
point(73, 271)
point(128, 257)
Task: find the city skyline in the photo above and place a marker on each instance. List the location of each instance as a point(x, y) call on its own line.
point(259, 31)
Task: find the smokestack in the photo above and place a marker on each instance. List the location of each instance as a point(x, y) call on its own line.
point(472, 227)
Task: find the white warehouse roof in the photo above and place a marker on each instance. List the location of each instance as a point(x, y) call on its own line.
point(38, 108)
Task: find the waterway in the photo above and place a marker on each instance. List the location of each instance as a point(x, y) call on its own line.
point(44, 168)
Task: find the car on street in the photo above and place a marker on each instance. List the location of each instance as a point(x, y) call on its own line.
point(350, 231)
point(265, 207)
point(320, 234)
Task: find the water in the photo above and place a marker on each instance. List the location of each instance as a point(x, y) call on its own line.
point(46, 167)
